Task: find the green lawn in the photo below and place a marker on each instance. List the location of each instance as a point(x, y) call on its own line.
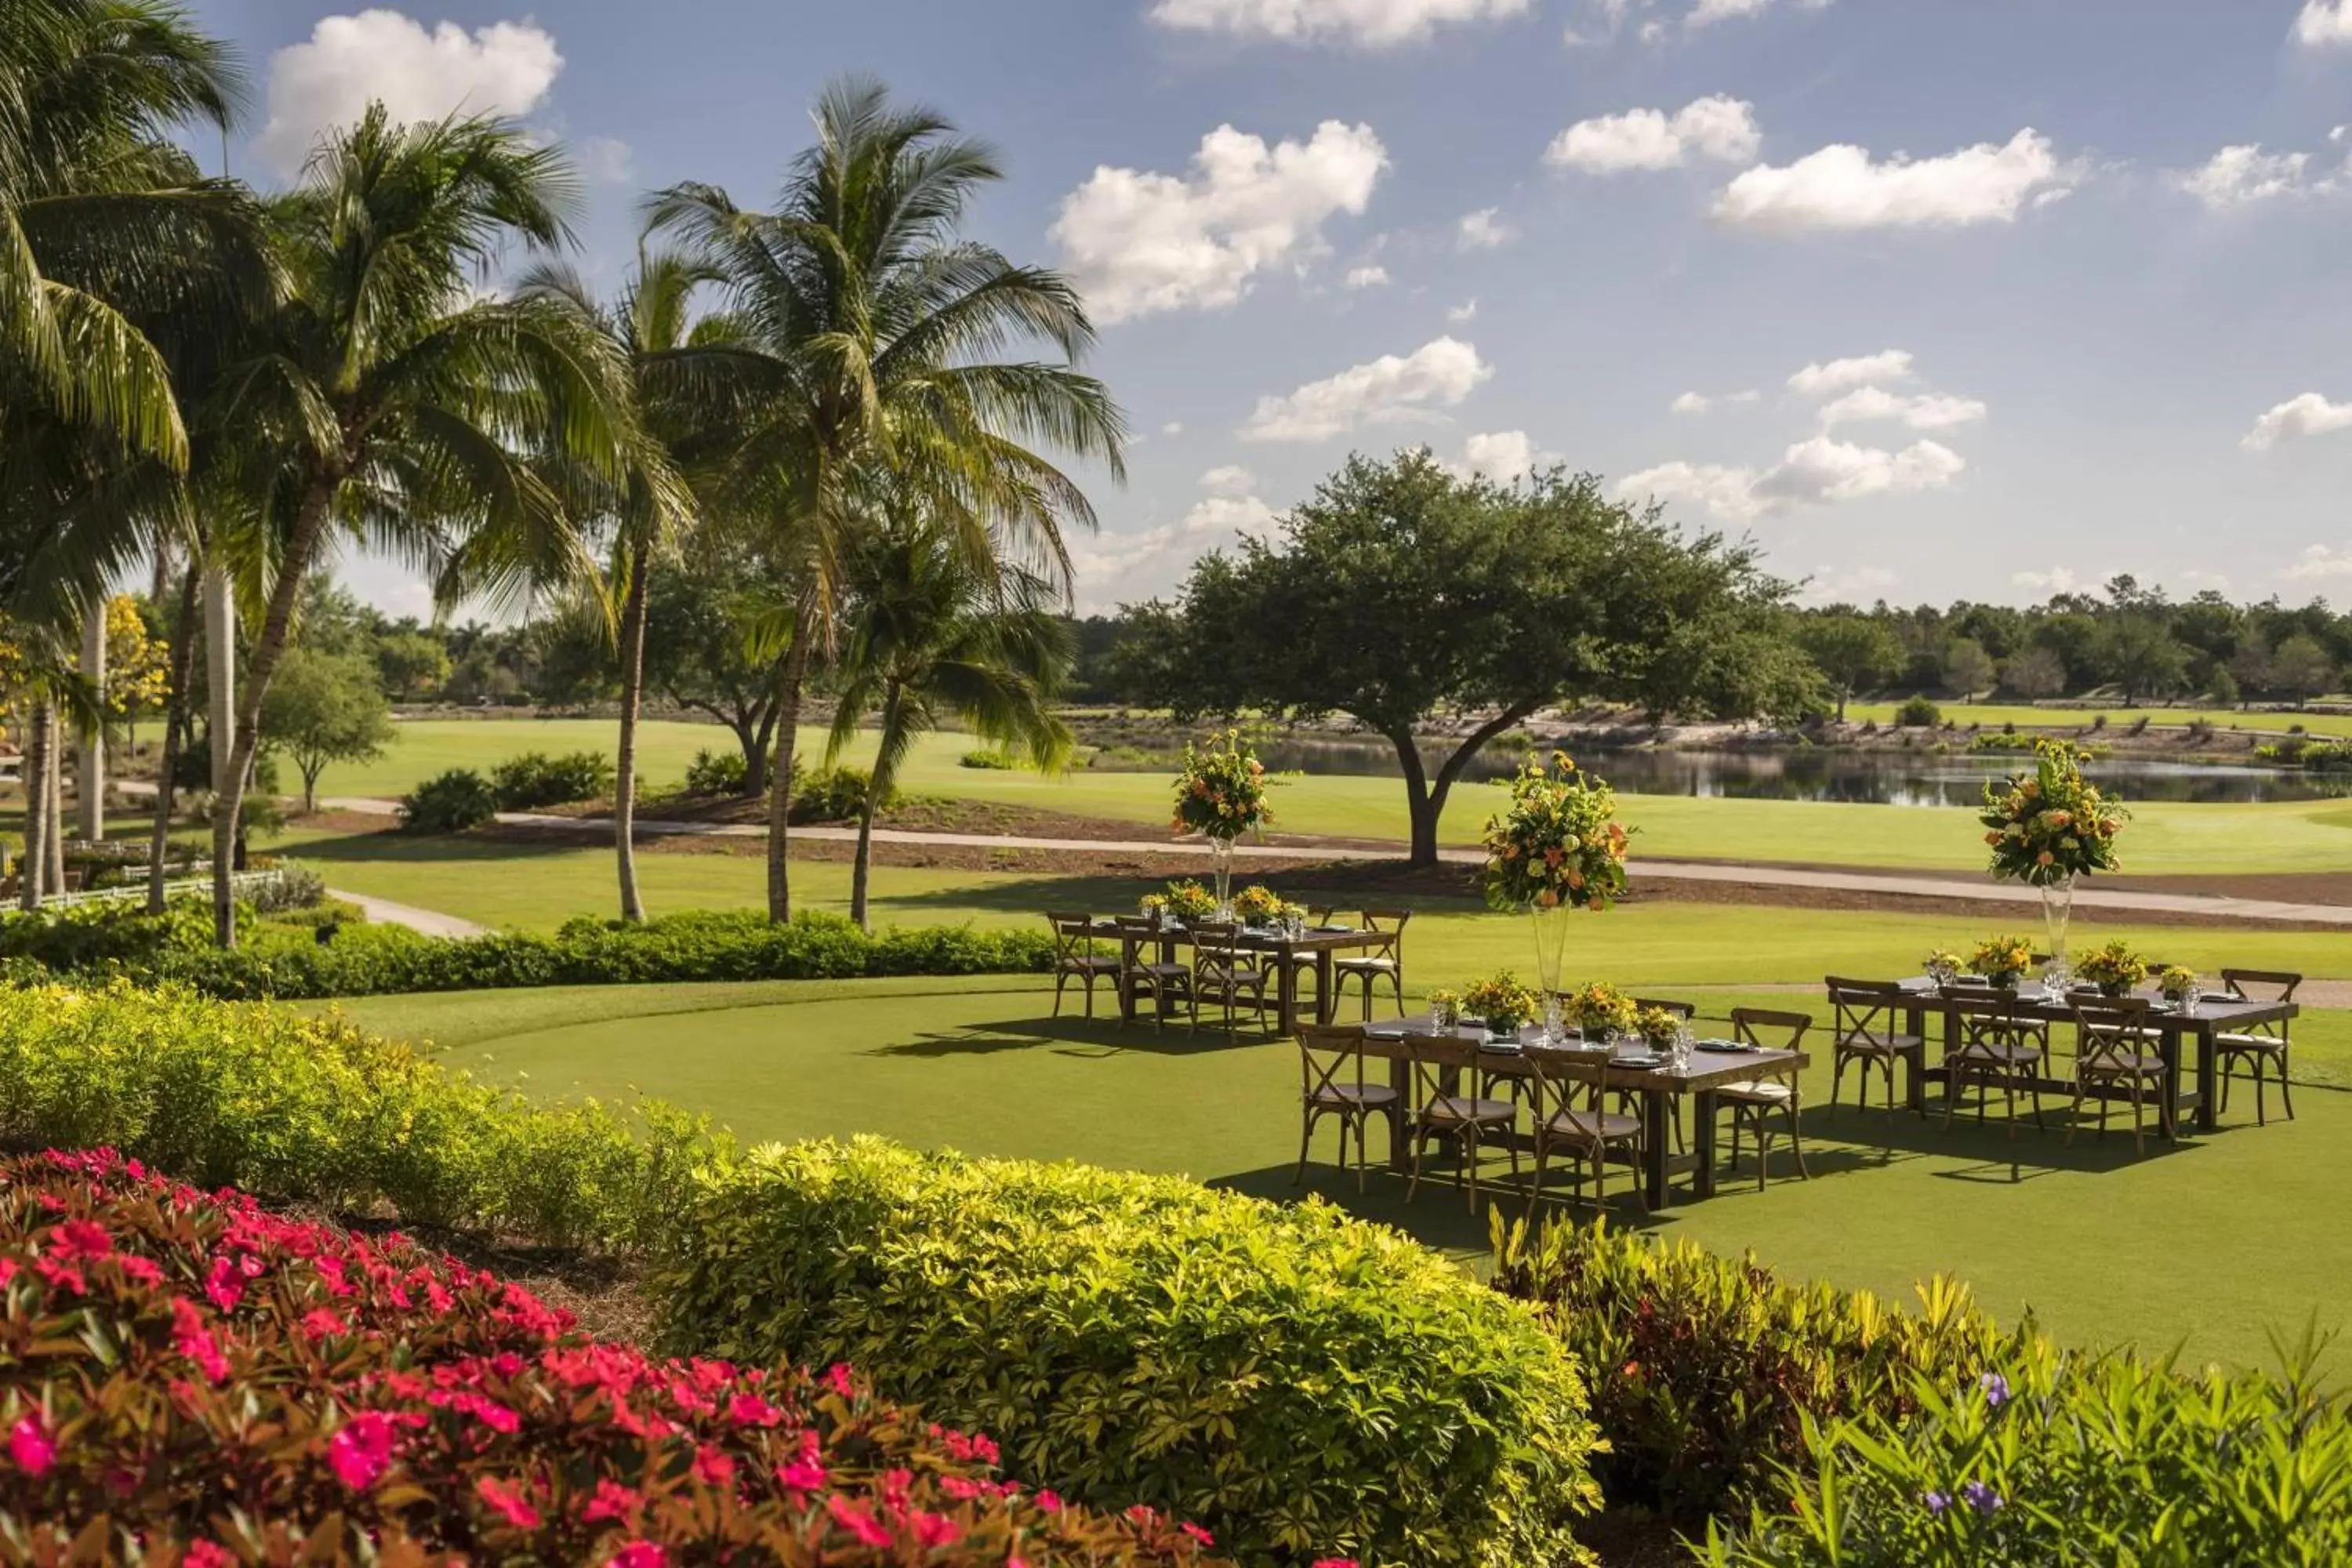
point(2163, 839)
point(2118, 717)
point(2202, 1245)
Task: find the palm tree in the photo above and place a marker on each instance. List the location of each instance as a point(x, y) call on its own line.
point(871, 332)
point(652, 317)
point(930, 636)
point(386, 399)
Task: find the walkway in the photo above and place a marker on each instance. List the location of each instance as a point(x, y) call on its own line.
point(431, 923)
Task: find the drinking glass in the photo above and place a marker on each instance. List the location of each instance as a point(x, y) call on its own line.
point(1552, 1035)
point(1441, 1015)
point(1679, 1053)
point(2191, 995)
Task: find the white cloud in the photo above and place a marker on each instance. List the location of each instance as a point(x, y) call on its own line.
point(2196, 577)
point(1377, 23)
point(2310, 413)
point(1834, 585)
point(1720, 127)
point(2323, 564)
point(1708, 12)
point(1464, 312)
point(1842, 187)
point(2323, 22)
point(349, 61)
point(1819, 380)
point(1438, 375)
point(607, 158)
point(1696, 402)
point(2057, 580)
point(1502, 456)
point(1929, 411)
point(1139, 242)
point(1367, 278)
point(1173, 427)
point(1483, 230)
point(2236, 175)
point(1230, 480)
point(1817, 472)
point(1110, 568)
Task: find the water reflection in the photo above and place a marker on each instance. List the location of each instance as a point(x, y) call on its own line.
point(1873, 778)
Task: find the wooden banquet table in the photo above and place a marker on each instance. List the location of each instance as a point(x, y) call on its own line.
point(1320, 942)
point(1711, 1067)
point(2175, 1030)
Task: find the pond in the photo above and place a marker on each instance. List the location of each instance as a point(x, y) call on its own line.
point(1877, 778)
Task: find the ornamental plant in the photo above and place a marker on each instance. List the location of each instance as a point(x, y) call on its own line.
point(1258, 903)
point(1558, 843)
point(1657, 1026)
point(2002, 959)
point(2174, 982)
point(2115, 967)
point(2050, 826)
point(1222, 791)
point(1599, 1005)
point(1501, 1001)
point(1186, 899)
point(227, 1387)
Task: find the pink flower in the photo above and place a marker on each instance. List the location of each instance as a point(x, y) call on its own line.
point(207, 1554)
point(640, 1554)
point(713, 1468)
point(84, 1238)
point(1049, 1500)
point(836, 1377)
point(869, 1529)
point(361, 1449)
point(30, 1444)
point(145, 1271)
point(223, 1286)
point(195, 1342)
point(1197, 1533)
point(751, 1410)
point(320, 1321)
point(508, 1503)
point(61, 1276)
point(801, 1476)
point(612, 1500)
point(1335, 1563)
point(933, 1531)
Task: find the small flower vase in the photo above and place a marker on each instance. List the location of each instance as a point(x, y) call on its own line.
point(2057, 911)
point(1221, 849)
point(1551, 952)
point(2115, 988)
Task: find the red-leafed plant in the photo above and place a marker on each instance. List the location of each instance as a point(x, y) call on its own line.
point(188, 1377)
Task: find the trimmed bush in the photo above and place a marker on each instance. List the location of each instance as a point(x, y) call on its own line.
point(2064, 1461)
point(995, 761)
point(535, 779)
point(313, 1110)
point(1704, 1372)
point(1298, 1381)
point(456, 801)
point(1919, 714)
point(105, 942)
point(227, 1387)
point(716, 774)
point(835, 795)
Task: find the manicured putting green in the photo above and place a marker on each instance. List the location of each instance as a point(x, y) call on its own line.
point(2267, 721)
point(2202, 1245)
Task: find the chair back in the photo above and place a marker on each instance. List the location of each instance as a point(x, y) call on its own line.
point(1073, 939)
point(2112, 1028)
point(2262, 985)
point(1564, 1080)
point(1328, 1054)
point(1388, 924)
point(1769, 1030)
point(1432, 1056)
point(1860, 1008)
point(1216, 947)
point(1685, 1011)
point(1990, 1016)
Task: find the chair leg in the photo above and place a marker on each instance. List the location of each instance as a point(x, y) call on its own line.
point(1468, 1141)
point(1061, 979)
point(1543, 1160)
point(2260, 1118)
point(2075, 1112)
point(2286, 1095)
point(1837, 1082)
point(1763, 1149)
point(1420, 1149)
point(1306, 1140)
point(2139, 1134)
point(1796, 1136)
point(1952, 1076)
point(2033, 1087)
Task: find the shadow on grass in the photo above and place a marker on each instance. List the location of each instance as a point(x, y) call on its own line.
point(460, 849)
point(1100, 1037)
point(1008, 892)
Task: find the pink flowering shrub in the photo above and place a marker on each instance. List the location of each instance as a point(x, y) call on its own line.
point(220, 1385)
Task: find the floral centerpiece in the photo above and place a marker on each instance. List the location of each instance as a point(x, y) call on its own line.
point(2114, 968)
point(1559, 846)
point(1186, 901)
point(2048, 827)
point(1944, 966)
point(2002, 960)
point(1599, 1006)
point(1501, 1001)
point(1657, 1027)
point(1258, 904)
point(1221, 795)
point(2176, 983)
point(1444, 1006)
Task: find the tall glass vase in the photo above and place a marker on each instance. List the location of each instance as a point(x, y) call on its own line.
point(1551, 951)
point(2057, 910)
point(1221, 849)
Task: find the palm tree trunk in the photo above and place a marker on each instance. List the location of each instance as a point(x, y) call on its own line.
point(53, 835)
point(779, 776)
point(34, 868)
point(175, 734)
point(878, 789)
point(228, 795)
point(625, 776)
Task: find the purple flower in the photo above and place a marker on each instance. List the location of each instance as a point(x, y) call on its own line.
point(1996, 1389)
point(1981, 1497)
point(1936, 1503)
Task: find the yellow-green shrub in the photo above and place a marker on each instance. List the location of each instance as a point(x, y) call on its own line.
point(1304, 1383)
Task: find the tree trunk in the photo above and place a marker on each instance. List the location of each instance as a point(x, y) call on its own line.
point(176, 724)
point(1843, 692)
point(625, 776)
point(878, 789)
point(755, 753)
point(228, 796)
point(90, 751)
point(53, 835)
point(310, 788)
point(34, 868)
point(780, 780)
point(1426, 797)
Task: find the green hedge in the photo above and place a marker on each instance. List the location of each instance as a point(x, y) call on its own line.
point(1301, 1383)
point(375, 960)
point(224, 1095)
point(1704, 1372)
point(2066, 1461)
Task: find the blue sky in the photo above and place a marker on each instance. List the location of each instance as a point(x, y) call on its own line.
point(1933, 298)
